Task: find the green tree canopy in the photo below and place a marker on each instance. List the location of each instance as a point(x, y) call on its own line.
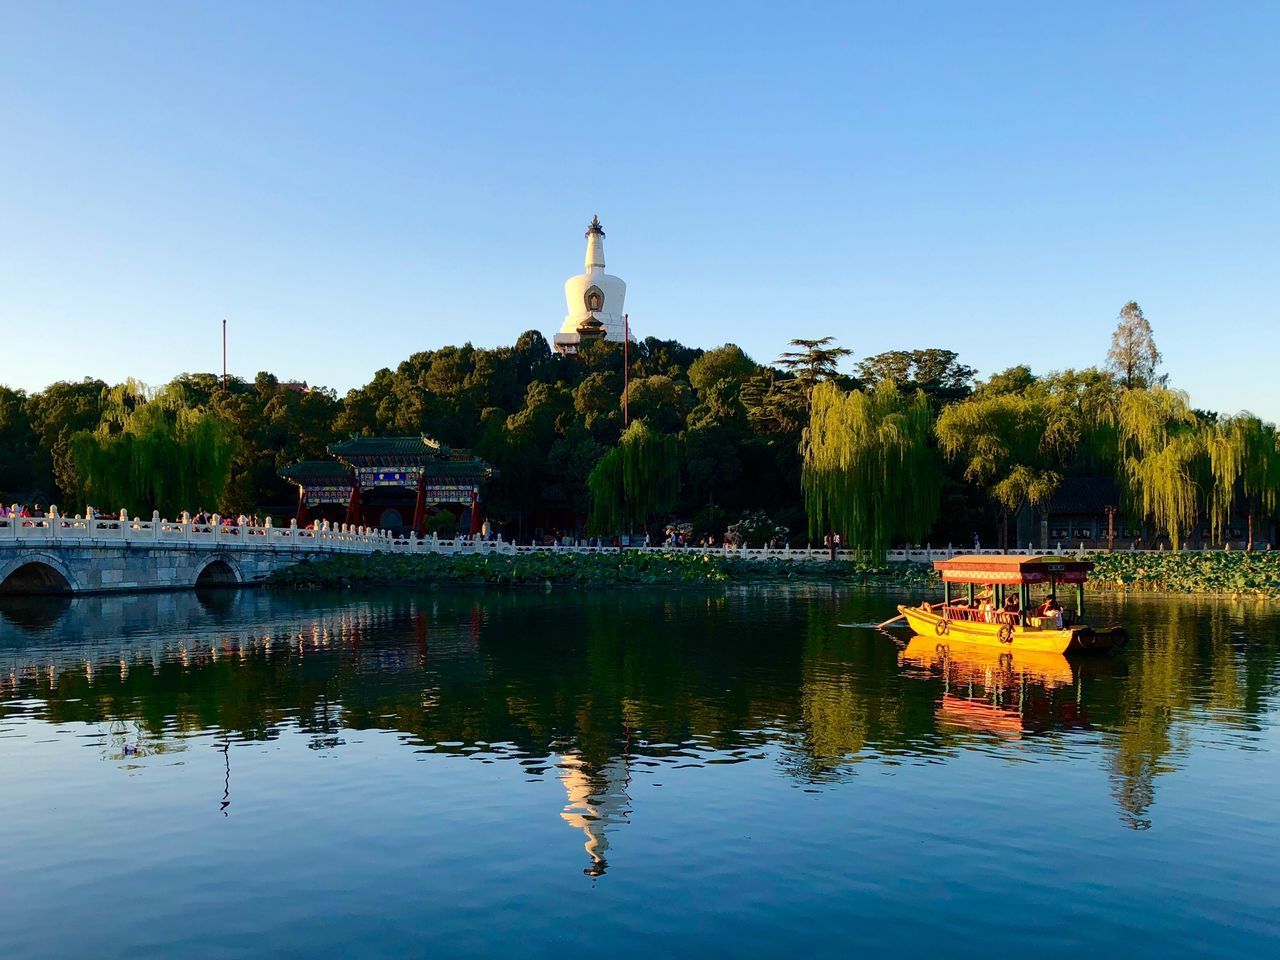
point(870, 472)
point(1244, 464)
point(723, 363)
point(813, 361)
point(1161, 442)
point(929, 370)
point(154, 452)
point(635, 480)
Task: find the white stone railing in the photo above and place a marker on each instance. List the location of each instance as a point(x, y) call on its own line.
point(347, 538)
point(104, 531)
point(100, 530)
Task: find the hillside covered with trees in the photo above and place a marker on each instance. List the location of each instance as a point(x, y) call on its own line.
point(906, 447)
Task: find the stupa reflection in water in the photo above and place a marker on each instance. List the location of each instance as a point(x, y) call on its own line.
point(598, 801)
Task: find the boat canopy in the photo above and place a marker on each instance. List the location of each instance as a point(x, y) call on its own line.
point(1007, 569)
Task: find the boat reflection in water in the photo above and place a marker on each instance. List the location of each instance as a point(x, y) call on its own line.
point(1002, 692)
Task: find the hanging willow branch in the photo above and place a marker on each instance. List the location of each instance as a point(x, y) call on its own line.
point(154, 454)
point(638, 478)
point(1244, 465)
point(869, 470)
point(1161, 442)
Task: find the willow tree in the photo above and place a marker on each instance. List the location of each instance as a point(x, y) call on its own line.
point(153, 453)
point(1244, 466)
point(870, 471)
point(633, 481)
point(1009, 446)
point(1162, 443)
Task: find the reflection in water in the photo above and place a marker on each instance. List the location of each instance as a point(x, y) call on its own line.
point(591, 688)
point(597, 801)
point(1001, 691)
point(39, 612)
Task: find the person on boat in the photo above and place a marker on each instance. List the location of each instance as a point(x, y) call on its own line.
point(1012, 609)
point(1052, 610)
point(986, 611)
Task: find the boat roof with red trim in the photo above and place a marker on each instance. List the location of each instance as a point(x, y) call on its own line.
point(1012, 568)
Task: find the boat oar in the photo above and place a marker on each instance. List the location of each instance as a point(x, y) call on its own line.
point(901, 616)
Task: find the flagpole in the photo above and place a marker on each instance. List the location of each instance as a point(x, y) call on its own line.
point(626, 369)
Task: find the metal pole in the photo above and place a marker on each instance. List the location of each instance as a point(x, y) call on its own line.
point(626, 369)
point(224, 356)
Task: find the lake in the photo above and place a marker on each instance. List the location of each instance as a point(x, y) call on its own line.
point(627, 774)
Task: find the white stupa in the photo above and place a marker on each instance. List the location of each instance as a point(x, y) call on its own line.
point(594, 300)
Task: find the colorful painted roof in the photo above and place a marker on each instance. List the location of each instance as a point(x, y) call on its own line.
point(418, 448)
point(435, 460)
point(1011, 568)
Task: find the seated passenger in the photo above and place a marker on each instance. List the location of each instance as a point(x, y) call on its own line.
point(1052, 611)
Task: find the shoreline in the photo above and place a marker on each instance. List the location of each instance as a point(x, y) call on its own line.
point(1236, 576)
point(588, 570)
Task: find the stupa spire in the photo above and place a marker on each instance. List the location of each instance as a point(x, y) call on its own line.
point(595, 245)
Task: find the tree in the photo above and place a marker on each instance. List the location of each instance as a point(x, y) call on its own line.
point(154, 453)
point(662, 400)
point(870, 471)
point(723, 363)
point(816, 360)
point(57, 412)
point(1001, 441)
point(1161, 442)
point(776, 406)
point(635, 480)
point(711, 466)
point(1133, 355)
point(932, 370)
point(1244, 463)
point(596, 401)
point(17, 446)
point(1017, 379)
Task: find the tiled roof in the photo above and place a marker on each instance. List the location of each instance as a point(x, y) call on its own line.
point(462, 469)
point(1084, 495)
point(438, 462)
point(419, 447)
point(317, 470)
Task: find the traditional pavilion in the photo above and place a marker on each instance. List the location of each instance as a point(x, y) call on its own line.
point(390, 483)
point(594, 300)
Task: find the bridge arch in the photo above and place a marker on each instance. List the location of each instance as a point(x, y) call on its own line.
point(219, 570)
point(37, 573)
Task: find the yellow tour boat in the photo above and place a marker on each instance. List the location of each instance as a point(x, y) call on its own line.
point(992, 617)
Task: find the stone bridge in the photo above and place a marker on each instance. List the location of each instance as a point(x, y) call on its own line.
point(57, 554)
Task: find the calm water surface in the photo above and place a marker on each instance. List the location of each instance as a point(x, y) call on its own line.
point(627, 774)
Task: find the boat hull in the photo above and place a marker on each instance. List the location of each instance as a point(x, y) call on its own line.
point(1071, 640)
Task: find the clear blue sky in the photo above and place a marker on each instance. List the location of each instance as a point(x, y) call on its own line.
point(348, 184)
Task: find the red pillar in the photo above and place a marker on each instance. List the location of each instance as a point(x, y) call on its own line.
point(353, 508)
point(420, 508)
point(303, 516)
point(475, 511)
